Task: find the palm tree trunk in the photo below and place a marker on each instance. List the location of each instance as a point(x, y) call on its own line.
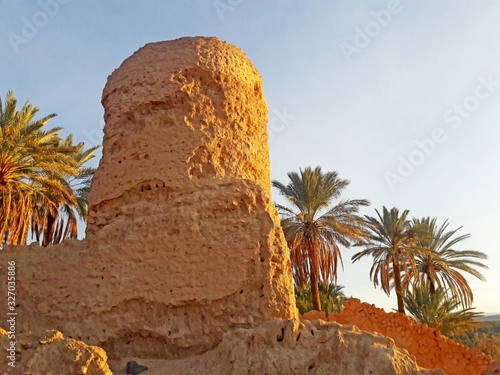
point(314, 277)
point(432, 287)
point(398, 285)
point(315, 292)
point(49, 231)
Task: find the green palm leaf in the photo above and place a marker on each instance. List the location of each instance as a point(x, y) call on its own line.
point(441, 266)
point(439, 311)
point(393, 244)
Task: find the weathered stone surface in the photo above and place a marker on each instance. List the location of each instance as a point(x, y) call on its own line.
point(189, 117)
point(50, 354)
point(183, 241)
point(288, 347)
point(177, 112)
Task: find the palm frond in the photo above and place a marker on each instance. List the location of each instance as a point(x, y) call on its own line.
point(37, 172)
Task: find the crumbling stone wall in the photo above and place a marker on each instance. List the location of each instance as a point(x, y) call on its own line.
point(431, 349)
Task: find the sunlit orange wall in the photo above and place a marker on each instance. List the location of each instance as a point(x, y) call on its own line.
point(431, 349)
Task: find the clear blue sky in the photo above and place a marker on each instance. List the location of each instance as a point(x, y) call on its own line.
point(400, 97)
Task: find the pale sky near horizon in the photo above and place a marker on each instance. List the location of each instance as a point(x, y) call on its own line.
point(401, 97)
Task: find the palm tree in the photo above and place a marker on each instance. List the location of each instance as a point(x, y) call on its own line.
point(441, 266)
point(36, 172)
point(393, 244)
point(331, 296)
point(314, 228)
point(439, 311)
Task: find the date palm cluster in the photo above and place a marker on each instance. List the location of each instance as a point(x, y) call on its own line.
point(410, 257)
point(43, 183)
point(418, 254)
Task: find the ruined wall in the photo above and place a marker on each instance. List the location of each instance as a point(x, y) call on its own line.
point(183, 241)
point(282, 347)
point(431, 349)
